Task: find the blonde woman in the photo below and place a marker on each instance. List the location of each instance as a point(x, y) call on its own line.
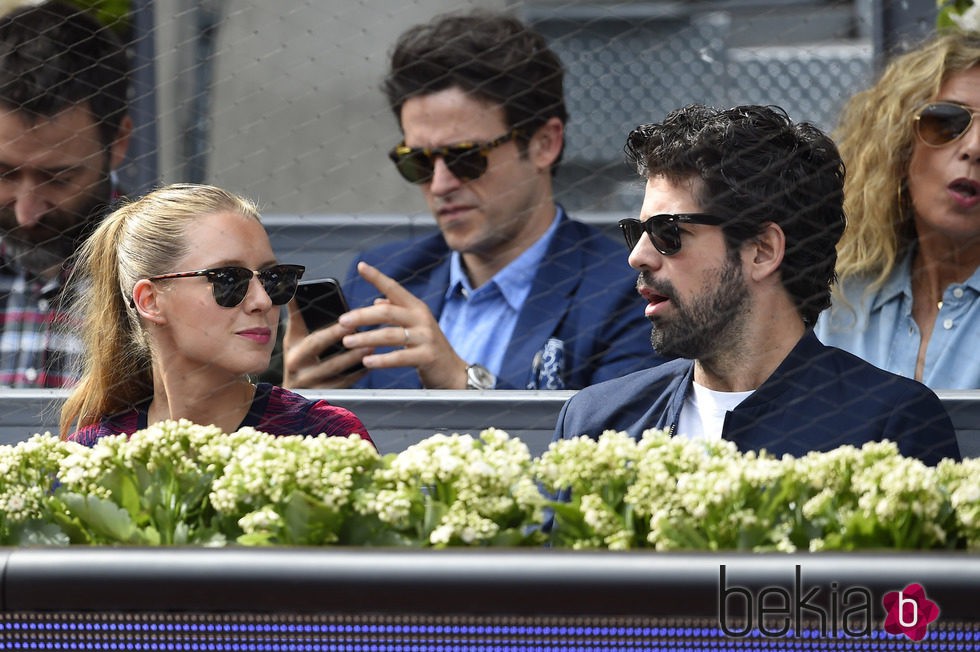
point(180, 298)
point(908, 297)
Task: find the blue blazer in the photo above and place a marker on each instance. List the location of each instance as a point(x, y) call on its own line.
point(819, 398)
point(582, 316)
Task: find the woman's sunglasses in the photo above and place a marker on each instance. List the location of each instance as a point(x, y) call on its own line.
point(467, 161)
point(940, 123)
point(663, 230)
point(230, 284)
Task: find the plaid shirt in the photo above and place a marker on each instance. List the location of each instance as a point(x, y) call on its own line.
point(36, 350)
point(40, 345)
point(274, 410)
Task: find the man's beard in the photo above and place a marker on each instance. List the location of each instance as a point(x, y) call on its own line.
point(709, 322)
point(54, 239)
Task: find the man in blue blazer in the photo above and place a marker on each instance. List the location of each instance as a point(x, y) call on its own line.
point(510, 293)
point(736, 251)
point(581, 306)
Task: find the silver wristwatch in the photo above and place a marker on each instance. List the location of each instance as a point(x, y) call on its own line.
point(479, 377)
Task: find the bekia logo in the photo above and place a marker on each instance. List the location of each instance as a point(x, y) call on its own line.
point(909, 611)
point(776, 611)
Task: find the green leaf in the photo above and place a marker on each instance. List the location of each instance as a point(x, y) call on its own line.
point(308, 521)
point(124, 491)
point(369, 530)
point(688, 537)
point(72, 527)
point(38, 533)
point(569, 523)
point(257, 539)
point(434, 513)
point(148, 536)
point(102, 517)
point(518, 536)
point(181, 534)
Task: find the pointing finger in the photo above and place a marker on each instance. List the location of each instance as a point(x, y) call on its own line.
point(388, 286)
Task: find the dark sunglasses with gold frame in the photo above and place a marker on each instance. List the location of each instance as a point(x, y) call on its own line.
point(467, 161)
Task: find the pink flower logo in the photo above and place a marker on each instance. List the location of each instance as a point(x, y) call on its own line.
point(909, 612)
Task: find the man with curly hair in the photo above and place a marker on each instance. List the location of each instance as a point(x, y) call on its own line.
point(735, 246)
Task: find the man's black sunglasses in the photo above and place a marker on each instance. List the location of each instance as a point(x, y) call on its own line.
point(230, 284)
point(662, 229)
point(467, 161)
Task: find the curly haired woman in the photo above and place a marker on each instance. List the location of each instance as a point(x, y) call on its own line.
point(908, 293)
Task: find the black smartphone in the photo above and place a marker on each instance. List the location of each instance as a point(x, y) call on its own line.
point(321, 302)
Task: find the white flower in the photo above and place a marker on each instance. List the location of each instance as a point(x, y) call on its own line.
point(263, 520)
point(969, 20)
point(663, 492)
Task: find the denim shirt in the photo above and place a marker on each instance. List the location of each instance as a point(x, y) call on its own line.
point(479, 322)
point(879, 328)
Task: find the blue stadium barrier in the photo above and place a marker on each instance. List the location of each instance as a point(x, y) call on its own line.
point(538, 599)
point(398, 418)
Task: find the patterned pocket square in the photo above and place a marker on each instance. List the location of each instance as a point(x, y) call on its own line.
point(549, 363)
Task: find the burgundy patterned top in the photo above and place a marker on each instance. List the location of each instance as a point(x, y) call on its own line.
point(274, 410)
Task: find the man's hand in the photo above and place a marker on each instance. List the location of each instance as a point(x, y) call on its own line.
point(302, 366)
point(405, 322)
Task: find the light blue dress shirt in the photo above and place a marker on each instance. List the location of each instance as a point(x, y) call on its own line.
point(879, 328)
point(479, 322)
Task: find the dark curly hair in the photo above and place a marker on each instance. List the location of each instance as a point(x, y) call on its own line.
point(54, 56)
point(493, 56)
point(756, 167)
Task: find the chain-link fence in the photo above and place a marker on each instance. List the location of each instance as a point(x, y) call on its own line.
point(299, 120)
point(294, 115)
point(282, 103)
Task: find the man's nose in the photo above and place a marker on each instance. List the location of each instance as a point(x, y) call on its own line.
point(30, 205)
point(443, 180)
point(644, 255)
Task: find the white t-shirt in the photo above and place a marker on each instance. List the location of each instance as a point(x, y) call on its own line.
point(703, 413)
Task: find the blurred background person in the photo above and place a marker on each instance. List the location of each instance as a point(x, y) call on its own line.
point(64, 128)
point(908, 292)
point(181, 305)
point(511, 293)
